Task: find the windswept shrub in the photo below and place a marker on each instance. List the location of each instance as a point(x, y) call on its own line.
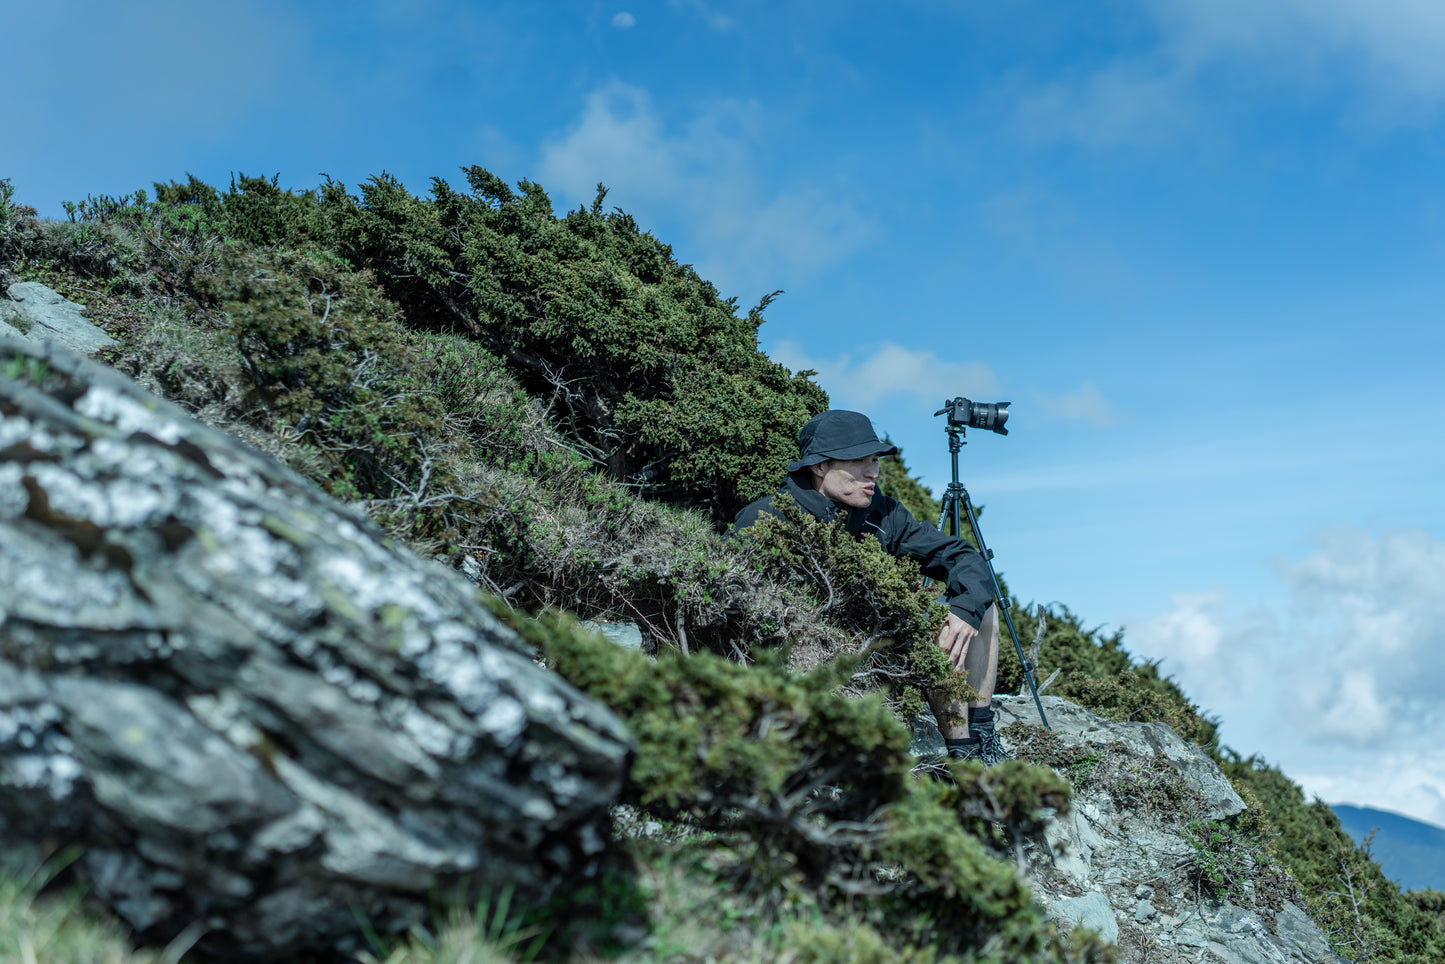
point(324, 347)
point(720, 742)
point(482, 401)
point(806, 787)
point(17, 223)
point(136, 244)
point(855, 582)
point(254, 211)
point(1364, 914)
point(1008, 804)
point(644, 366)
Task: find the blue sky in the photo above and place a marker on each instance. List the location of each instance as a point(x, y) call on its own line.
point(1197, 246)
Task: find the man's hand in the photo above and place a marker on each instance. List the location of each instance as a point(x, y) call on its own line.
point(954, 638)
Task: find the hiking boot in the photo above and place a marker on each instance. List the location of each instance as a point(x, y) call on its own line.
point(969, 749)
point(990, 747)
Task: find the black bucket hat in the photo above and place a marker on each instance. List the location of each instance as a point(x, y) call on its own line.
point(838, 434)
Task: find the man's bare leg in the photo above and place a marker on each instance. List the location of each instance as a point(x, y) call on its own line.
point(981, 663)
point(980, 666)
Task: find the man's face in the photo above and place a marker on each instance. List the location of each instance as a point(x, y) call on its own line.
point(848, 483)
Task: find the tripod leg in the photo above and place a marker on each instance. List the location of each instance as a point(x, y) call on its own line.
point(1000, 601)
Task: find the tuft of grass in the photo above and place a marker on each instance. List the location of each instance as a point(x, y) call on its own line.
point(489, 932)
point(59, 928)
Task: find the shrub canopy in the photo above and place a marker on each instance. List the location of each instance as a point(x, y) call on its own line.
point(648, 370)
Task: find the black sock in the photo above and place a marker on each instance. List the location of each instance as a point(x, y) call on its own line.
point(980, 715)
point(953, 744)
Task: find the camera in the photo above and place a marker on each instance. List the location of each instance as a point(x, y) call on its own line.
point(987, 415)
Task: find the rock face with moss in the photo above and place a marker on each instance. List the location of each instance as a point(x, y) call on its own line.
point(32, 312)
point(255, 715)
point(1158, 853)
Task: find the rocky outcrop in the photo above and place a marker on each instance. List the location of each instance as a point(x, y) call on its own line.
point(256, 715)
point(36, 314)
point(1121, 862)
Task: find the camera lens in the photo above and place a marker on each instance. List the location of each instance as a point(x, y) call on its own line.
point(989, 415)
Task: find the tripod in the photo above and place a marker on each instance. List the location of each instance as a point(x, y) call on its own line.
point(957, 506)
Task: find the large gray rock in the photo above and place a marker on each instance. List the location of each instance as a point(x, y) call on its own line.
point(1118, 861)
point(255, 713)
point(1076, 725)
point(38, 314)
point(1092, 910)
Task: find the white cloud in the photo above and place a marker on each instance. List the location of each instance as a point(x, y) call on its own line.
point(1374, 613)
point(700, 175)
point(890, 371)
point(1388, 55)
point(1086, 404)
point(1394, 46)
point(1346, 682)
point(624, 20)
point(1209, 649)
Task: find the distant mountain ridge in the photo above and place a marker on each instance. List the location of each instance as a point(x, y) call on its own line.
point(1411, 852)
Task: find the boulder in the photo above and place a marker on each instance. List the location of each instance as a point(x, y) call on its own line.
point(1118, 861)
point(256, 715)
point(1076, 725)
point(40, 315)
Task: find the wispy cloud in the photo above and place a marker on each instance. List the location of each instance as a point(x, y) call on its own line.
point(1387, 51)
point(891, 372)
point(1373, 612)
point(1406, 782)
point(1134, 103)
point(701, 173)
point(1354, 667)
point(1392, 45)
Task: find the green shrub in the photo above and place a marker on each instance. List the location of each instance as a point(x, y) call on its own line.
point(324, 348)
point(254, 211)
point(1233, 862)
point(1364, 914)
point(806, 788)
point(856, 583)
point(17, 223)
point(644, 367)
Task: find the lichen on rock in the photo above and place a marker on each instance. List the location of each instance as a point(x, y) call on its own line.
point(246, 704)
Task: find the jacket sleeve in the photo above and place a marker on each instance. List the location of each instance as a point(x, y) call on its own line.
point(752, 512)
point(948, 559)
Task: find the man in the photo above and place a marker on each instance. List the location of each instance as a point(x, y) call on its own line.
point(837, 472)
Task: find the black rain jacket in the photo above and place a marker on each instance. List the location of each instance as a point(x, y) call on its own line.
point(945, 558)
